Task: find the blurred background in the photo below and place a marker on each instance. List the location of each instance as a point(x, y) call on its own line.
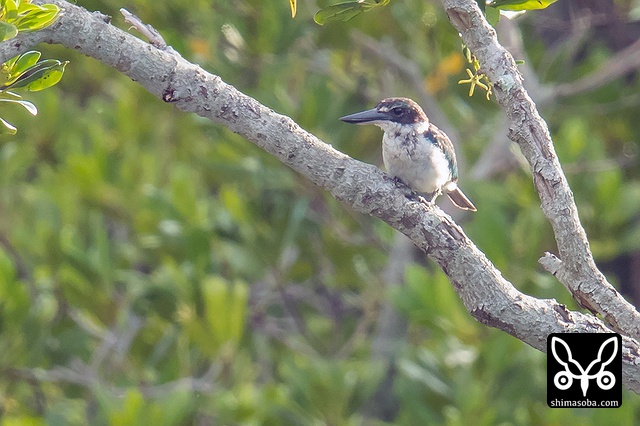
point(156, 268)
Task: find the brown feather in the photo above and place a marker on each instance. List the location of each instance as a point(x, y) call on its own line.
point(460, 200)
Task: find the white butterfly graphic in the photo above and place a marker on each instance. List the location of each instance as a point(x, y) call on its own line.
point(564, 379)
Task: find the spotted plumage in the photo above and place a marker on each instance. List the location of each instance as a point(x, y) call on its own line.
point(414, 150)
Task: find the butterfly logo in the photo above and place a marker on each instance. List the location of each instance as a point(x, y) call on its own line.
point(564, 379)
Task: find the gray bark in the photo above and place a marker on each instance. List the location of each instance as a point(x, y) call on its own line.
point(575, 268)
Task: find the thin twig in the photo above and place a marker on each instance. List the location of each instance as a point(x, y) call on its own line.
point(154, 37)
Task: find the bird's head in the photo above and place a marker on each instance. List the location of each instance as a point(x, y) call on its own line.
point(390, 112)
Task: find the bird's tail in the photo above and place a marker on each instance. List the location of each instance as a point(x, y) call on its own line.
point(460, 200)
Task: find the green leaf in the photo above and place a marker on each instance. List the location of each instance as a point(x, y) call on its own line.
point(41, 76)
point(493, 15)
point(23, 62)
point(518, 5)
point(8, 127)
point(24, 7)
point(37, 19)
point(294, 7)
point(30, 74)
point(7, 31)
point(343, 11)
point(11, 62)
point(6, 95)
point(49, 78)
point(25, 104)
point(10, 9)
point(28, 106)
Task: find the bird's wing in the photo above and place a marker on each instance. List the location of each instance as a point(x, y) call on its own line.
point(441, 139)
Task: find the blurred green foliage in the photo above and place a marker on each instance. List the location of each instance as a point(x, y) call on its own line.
point(156, 268)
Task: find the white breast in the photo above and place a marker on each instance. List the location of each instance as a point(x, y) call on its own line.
point(416, 161)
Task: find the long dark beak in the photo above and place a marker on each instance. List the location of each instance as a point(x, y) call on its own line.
point(364, 117)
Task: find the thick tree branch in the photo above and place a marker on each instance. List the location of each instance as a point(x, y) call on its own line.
point(577, 270)
point(490, 298)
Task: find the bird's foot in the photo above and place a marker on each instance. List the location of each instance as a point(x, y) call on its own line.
point(401, 185)
point(428, 199)
point(424, 200)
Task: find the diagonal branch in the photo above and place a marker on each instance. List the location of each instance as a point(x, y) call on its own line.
point(489, 297)
point(575, 267)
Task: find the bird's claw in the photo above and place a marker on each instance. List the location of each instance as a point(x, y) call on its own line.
point(399, 183)
point(428, 199)
point(411, 195)
point(424, 200)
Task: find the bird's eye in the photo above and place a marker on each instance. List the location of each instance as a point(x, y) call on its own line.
point(397, 111)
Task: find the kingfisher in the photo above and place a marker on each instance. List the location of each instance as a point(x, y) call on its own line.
point(415, 151)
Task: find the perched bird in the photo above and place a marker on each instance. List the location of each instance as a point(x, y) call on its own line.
point(414, 150)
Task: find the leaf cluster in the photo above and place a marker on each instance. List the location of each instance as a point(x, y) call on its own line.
point(22, 15)
point(25, 72)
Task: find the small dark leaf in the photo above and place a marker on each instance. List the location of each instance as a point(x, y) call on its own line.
point(493, 15)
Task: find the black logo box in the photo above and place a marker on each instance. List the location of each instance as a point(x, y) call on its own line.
point(584, 362)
